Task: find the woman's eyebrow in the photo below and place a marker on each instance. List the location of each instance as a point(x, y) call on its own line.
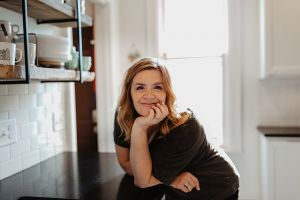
point(158, 83)
point(139, 84)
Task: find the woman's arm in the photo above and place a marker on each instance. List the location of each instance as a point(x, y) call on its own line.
point(123, 158)
point(140, 161)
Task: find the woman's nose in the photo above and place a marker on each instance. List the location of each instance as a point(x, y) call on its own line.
point(149, 94)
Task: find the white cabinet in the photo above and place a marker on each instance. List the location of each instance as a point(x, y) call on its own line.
point(280, 38)
point(280, 168)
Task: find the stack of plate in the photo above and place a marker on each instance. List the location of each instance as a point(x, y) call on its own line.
point(53, 51)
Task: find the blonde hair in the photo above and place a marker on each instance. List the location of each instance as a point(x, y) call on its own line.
point(126, 110)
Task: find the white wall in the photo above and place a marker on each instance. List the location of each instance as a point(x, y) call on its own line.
point(270, 102)
point(33, 105)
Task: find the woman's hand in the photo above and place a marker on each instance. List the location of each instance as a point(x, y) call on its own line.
point(186, 182)
point(156, 114)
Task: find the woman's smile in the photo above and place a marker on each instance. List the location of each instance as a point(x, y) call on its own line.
point(149, 105)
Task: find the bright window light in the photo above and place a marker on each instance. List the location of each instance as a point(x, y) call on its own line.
point(194, 38)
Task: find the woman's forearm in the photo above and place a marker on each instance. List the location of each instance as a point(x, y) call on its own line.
point(127, 167)
point(140, 160)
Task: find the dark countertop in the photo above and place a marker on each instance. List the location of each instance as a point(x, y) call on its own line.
point(280, 131)
point(67, 175)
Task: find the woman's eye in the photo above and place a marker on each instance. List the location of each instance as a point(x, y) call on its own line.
point(158, 87)
point(139, 88)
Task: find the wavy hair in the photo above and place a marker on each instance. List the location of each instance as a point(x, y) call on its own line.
point(126, 110)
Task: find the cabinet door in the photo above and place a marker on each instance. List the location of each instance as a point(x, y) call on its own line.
point(283, 168)
point(280, 38)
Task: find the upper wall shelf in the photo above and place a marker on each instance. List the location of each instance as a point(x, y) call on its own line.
point(48, 10)
point(43, 74)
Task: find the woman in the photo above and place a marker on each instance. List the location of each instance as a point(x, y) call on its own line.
point(162, 148)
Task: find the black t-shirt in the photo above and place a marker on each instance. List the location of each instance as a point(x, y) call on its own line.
point(186, 148)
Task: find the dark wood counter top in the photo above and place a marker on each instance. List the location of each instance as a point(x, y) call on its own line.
point(88, 176)
point(280, 131)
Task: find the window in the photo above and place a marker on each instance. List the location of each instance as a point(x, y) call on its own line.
point(193, 40)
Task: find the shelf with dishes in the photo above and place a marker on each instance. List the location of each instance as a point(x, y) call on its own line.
point(55, 12)
point(50, 59)
point(45, 11)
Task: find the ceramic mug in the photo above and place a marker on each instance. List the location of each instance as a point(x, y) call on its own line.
point(32, 53)
point(8, 53)
point(86, 63)
point(8, 30)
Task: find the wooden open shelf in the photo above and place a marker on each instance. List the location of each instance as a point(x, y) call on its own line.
point(12, 73)
point(47, 10)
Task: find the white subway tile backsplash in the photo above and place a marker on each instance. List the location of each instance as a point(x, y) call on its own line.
point(49, 110)
point(8, 103)
point(20, 147)
point(37, 141)
point(27, 101)
point(4, 153)
point(44, 99)
point(3, 89)
point(22, 116)
point(51, 87)
point(10, 167)
point(44, 126)
point(28, 130)
point(30, 159)
point(35, 88)
point(37, 114)
point(59, 149)
point(3, 116)
point(17, 89)
point(32, 106)
point(46, 152)
point(62, 87)
point(58, 98)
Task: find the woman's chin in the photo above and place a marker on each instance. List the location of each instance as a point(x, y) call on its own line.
point(144, 112)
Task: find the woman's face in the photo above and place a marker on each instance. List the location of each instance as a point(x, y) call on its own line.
point(147, 90)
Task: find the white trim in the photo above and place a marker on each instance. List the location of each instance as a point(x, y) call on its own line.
point(71, 133)
point(152, 27)
point(232, 140)
point(107, 70)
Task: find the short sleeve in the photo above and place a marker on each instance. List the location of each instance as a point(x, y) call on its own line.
point(119, 137)
point(173, 154)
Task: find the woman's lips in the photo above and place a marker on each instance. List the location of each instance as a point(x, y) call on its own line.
point(149, 105)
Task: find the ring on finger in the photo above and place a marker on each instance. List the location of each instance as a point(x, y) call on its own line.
point(187, 186)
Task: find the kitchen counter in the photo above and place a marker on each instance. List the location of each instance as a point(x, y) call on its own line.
point(68, 175)
point(280, 131)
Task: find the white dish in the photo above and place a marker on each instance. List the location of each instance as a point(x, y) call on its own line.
point(50, 46)
point(54, 59)
point(54, 55)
